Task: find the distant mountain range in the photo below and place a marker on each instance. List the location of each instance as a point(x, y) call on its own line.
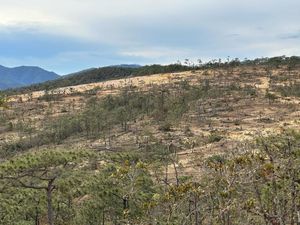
point(23, 76)
point(27, 75)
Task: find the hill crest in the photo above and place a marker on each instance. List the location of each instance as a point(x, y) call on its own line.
point(24, 76)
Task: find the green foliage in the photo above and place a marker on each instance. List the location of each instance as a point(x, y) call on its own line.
point(41, 159)
point(252, 184)
point(120, 193)
point(249, 186)
point(165, 127)
point(164, 106)
point(292, 89)
point(28, 177)
point(214, 137)
point(3, 101)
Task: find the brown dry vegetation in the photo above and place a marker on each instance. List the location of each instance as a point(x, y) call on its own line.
point(197, 147)
point(235, 118)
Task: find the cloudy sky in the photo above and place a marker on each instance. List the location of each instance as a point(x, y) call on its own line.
point(70, 35)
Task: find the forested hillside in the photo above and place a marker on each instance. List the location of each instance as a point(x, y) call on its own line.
point(214, 143)
point(101, 74)
point(23, 75)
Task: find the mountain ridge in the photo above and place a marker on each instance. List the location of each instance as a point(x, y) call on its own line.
point(92, 75)
point(24, 76)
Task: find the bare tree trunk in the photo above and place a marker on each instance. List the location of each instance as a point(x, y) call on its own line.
point(298, 217)
point(103, 217)
point(49, 207)
point(294, 196)
point(176, 173)
point(49, 202)
point(190, 209)
point(166, 174)
point(37, 217)
point(212, 212)
point(196, 211)
point(174, 164)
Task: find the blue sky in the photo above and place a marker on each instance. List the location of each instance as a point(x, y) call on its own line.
point(70, 35)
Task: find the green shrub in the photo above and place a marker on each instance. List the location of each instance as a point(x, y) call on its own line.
point(214, 138)
point(165, 127)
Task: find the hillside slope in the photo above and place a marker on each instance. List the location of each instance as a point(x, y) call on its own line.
point(101, 74)
point(205, 146)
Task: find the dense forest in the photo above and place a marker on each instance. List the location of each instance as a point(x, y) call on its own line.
point(115, 159)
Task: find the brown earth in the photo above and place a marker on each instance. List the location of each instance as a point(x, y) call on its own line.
point(238, 119)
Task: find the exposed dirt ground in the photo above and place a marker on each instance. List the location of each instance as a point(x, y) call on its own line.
point(237, 119)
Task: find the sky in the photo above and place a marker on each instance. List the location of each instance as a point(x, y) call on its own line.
point(66, 36)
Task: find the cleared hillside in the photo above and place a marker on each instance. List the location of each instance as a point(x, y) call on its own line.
point(216, 145)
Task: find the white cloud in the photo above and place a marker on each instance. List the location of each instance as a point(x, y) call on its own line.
point(155, 52)
point(157, 30)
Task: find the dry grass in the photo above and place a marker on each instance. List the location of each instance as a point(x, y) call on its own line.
point(247, 118)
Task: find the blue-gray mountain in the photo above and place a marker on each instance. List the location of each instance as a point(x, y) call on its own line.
point(23, 76)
